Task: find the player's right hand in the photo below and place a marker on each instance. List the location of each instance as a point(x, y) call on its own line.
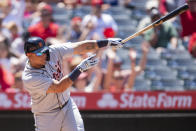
point(115, 42)
point(88, 63)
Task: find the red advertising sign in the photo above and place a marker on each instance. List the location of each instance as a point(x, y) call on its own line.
point(112, 101)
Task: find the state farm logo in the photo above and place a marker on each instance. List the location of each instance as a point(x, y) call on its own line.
point(107, 100)
point(4, 101)
point(162, 100)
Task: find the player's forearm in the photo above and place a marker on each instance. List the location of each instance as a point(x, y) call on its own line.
point(60, 86)
point(86, 46)
point(65, 82)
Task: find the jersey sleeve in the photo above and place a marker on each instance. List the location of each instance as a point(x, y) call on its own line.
point(63, 49)
point(36, 83)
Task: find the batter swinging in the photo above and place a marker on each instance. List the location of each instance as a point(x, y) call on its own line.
point(43, 78)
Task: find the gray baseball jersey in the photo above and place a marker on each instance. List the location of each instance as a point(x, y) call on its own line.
point(37, 81)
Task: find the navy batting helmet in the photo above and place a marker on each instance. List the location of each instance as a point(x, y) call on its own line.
point(35, 45)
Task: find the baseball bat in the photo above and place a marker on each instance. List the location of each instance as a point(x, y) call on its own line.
point(170, 15)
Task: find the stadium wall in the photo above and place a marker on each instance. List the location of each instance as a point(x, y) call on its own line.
point(111, 120)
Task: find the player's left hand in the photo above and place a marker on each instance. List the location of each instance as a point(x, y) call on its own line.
point(115, 42)
point(88, 63)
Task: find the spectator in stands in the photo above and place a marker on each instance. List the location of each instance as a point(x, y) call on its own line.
point(136, 70)
point(98, 21)
point(166, 6)
point(192, 45)
point(18, 85)
point(76, 33)
point(17, 46)
point(3, 31)
point(6, 65)
point(116, 79)
point(8, 60)
point(30, 13)
point(6, 79)
point(87, 81)
point(71, 4)
point(163, 36)
point(13, 29)
point(45, 28)
point(113, 79)
point(14, 12)
point(5, 54)
point(30, 8)
point(188, 20)
point(136, 4)
point(109, 33)
point(147, 20)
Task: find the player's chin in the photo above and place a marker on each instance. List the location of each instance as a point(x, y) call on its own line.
point(43, 62)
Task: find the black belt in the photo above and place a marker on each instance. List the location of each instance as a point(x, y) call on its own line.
point(62, 106)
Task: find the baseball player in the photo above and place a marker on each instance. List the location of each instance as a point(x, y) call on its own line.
point(43, 78)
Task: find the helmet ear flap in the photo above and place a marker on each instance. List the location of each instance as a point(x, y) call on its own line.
point(47, 55)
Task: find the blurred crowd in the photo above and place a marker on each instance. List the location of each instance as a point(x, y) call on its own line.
point(21, 19)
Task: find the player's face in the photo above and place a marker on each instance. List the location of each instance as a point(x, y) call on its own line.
point(38, 60)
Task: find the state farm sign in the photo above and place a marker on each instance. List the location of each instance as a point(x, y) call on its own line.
point(136, 100)
point(112, 101)
point(160, 100)
point(11, 101)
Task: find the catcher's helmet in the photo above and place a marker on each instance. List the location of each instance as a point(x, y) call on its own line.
point(35, 45)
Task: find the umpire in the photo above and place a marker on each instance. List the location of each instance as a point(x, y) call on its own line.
point(43, 78)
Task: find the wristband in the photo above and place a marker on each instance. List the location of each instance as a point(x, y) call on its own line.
point(102, 43)
point(74, 74)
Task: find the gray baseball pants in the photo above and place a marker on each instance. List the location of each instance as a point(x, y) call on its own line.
point(66, 119)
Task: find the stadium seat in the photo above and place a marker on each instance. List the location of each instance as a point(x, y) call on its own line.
point(151, 55)
point(183, 74)
point(58, 10)
point(138, 14)
point(125, 31)
point(188, 73)
point(62, 19)
point(181, 63)
point(81, 11)
point(167, 85)
point(126, 22)
point(175, 54)
point(160, 73)
point(190, 84)
point(118, 10)
point(142, 85)
point(153, 63)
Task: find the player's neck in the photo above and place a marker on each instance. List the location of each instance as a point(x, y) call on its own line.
point(36, 66)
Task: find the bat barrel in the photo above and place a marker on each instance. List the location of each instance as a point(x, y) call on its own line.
point(158, 22)
point(175, 12)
